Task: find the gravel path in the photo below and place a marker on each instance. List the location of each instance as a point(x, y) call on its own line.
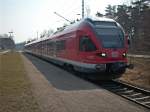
point(55, 98)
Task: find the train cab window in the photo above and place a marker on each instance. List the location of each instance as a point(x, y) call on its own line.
point(86, 44)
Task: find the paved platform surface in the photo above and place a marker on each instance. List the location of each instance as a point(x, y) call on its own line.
point(59, 91)
point(60, 78)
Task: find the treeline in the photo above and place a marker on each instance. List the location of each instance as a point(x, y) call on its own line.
point(135, 20)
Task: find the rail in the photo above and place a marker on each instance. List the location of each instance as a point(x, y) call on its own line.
point(138, 56)
point(130, 92)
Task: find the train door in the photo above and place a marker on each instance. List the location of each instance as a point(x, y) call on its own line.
point(86, 47)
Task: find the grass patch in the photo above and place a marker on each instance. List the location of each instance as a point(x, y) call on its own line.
point(140, 75)
point(15, 88)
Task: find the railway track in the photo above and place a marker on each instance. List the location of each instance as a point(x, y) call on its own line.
point(130, 92)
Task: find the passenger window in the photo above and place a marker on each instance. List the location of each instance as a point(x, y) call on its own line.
point(60, 45)
point(86, 44)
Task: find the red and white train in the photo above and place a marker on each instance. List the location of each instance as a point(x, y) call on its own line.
point(93, 45)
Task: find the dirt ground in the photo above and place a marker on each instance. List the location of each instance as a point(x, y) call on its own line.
point(140, 75)
point(15, 87)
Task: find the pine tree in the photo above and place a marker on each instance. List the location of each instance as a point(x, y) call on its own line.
point(98, 14)
point(123, 17)
point(110, 11)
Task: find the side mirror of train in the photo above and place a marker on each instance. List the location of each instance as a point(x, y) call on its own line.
point(128, 39)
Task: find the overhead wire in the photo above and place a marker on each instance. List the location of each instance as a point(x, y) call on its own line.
point(70, 9)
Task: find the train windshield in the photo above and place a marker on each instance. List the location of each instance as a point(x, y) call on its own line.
point(110, 35)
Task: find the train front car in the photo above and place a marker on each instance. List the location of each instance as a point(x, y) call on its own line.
point(103, 46)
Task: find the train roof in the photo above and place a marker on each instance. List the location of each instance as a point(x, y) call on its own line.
point(39, 40)
point(73, 27)
point(101, 19)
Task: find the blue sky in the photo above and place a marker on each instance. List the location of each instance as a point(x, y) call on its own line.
point(26, 17)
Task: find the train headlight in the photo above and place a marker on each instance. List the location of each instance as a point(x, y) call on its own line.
point(124, 54)
point(103, 54)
